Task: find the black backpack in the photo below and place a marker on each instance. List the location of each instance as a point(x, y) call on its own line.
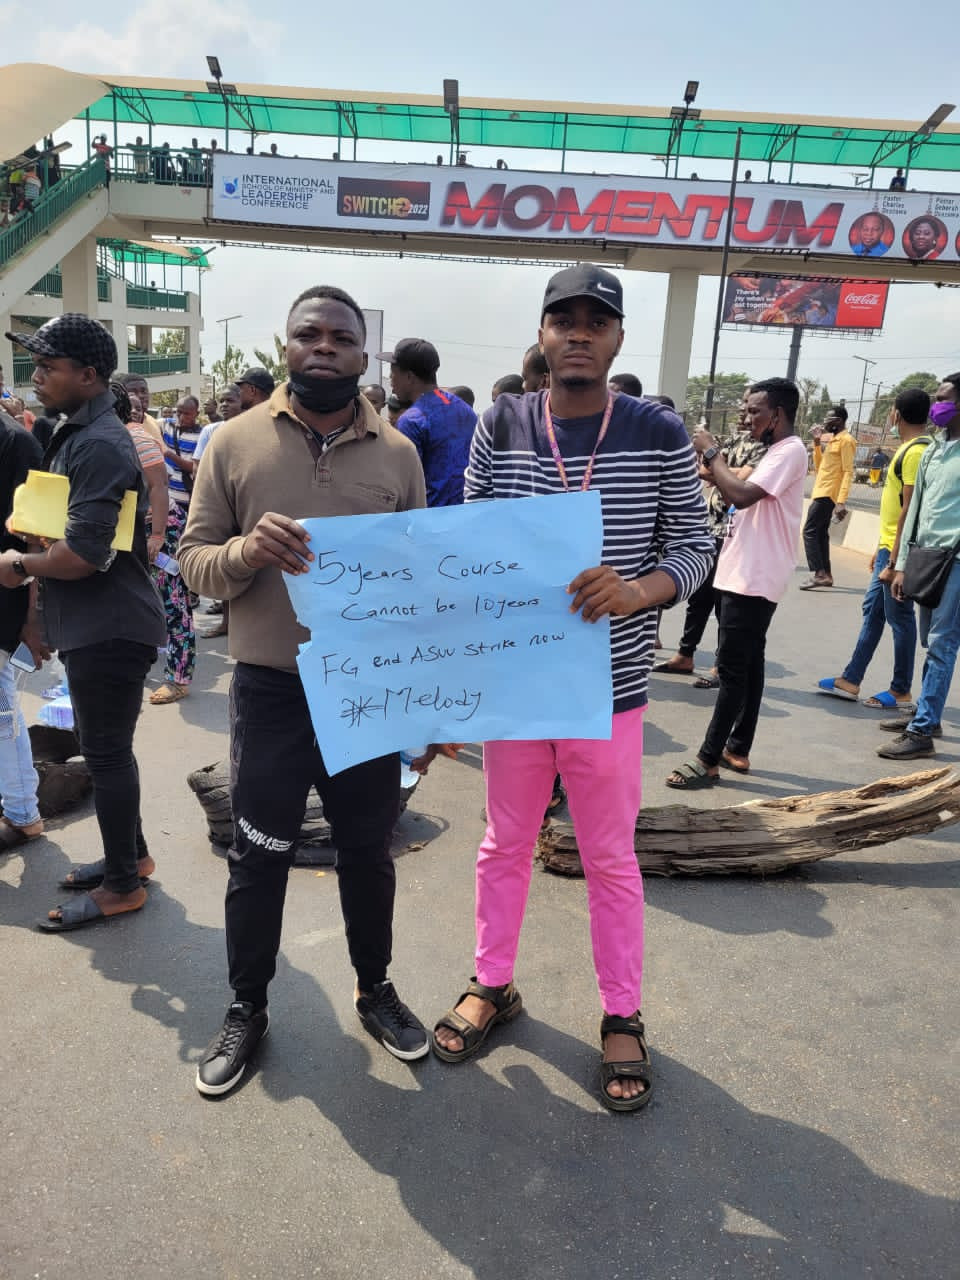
point(898, 465)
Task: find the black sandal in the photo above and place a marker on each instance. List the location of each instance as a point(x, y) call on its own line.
point(639, 1069)
point(507, 1002)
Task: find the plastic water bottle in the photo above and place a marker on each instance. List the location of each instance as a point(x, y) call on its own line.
point(407, 756)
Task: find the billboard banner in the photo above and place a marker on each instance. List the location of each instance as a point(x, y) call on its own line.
point(800, 300)
point(418, 199)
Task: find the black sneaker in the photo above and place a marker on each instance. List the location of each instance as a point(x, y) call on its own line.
point(901, 725)
point(230, 1050)
point(389, 1020)
point(909, 746)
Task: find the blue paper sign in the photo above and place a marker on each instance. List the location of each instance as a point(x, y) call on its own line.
point(452, 625)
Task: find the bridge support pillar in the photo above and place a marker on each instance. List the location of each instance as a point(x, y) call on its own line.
point(79, 269)
point(678, 335)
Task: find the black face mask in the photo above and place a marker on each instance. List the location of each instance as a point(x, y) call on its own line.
point(324, 395)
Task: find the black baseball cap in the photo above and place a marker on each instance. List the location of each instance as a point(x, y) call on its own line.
point(258, 377)
point(415, 355)
point(584, 281)
point(73, 336)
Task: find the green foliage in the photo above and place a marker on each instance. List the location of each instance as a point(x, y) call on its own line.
point(229, 367)
point(884, 404)
point(727, 394)
point(275, 365)
point(171, 342)
point(809, 391)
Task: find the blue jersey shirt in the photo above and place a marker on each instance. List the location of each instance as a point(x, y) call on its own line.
point(440, 425)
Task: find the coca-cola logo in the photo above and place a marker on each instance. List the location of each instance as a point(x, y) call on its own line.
point(862, 299)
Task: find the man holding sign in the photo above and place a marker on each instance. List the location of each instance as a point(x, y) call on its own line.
point(315, 448)
point(656, 550)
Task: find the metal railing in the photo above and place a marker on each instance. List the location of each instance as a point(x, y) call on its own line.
point(50, 208)
point(185, 168)
point(156, 299)
point(51, 286)
point(155, 366)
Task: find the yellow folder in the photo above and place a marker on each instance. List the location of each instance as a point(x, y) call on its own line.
point(40, 508)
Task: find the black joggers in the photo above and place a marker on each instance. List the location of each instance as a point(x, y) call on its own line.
point(274, 760)
point(106, 688)
point(744, 621)
point(816, 535)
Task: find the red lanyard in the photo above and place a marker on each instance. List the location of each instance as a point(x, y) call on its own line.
point(555, 448)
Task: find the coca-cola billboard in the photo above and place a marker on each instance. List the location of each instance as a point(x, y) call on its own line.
point(810, 302)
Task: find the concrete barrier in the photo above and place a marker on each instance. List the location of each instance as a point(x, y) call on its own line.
point(859, 532)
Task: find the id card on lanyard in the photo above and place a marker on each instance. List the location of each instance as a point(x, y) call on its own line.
point(555, 448)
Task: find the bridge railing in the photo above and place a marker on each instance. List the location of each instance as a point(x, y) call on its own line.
point(51, 206)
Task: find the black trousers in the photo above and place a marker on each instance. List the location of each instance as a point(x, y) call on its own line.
point(274, 760)
point(700, 605)
point(744, 621)
point(816, 535)
point(106, 688)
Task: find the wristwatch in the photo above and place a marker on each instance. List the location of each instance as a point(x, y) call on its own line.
point(709, 454)
point(19, 567)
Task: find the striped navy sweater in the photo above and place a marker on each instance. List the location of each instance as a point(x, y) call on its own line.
point(654, 515)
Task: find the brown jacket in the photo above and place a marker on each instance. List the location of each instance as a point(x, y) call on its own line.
point(262, 461)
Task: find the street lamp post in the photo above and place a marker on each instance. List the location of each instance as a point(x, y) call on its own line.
point(867, 364)
point(226, 339)
point(678, 118)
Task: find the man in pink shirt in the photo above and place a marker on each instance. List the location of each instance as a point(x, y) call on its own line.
point(753, 572)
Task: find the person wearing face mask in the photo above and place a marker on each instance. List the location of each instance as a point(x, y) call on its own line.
point(879, 605)
point(753, 572)
point(315, 448)
point(933, 520)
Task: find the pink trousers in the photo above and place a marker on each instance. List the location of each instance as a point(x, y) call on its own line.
point(603, 784)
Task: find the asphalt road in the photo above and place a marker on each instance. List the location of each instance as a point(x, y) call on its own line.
point(803, 1031)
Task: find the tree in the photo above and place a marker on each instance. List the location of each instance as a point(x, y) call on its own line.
point(821, 407)
point(229, 367)
point(171, 342)
point(275, 365)
point(808, 391)
point(884, 404)
point(727, 394)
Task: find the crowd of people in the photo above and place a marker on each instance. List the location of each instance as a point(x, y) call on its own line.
point(26, 177)
point(711, 522)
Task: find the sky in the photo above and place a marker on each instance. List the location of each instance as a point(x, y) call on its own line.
point(818, 59)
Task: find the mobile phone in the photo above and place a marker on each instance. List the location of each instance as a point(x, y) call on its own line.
point(166, 563)
point(22, 658)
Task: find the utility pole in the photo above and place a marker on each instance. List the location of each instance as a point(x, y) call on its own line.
point(867, 365)
point(722, 287)
point(226, 338)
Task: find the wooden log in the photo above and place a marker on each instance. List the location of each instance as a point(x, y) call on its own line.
point(761, 837)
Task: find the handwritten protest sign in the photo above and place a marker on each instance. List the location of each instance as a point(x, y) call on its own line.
point(452, 625)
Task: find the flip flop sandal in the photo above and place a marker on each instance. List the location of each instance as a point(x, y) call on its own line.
point(78, 914)
point(727, 763)
point(707, 682)
point(665, 669)
point(89, 875)
point(692, 776)
point(507, 1002)
point(829, 686)
point(639, 1069)
point(887, 702)
point(168, 693)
